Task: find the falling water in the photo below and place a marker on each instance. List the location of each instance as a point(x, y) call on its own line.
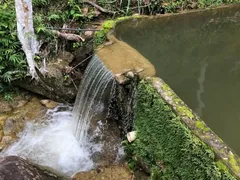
point(59, 140)
point(51, 142)
point(90, 97)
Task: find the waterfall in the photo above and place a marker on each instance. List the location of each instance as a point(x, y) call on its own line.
point(51, 142)
point(91, 97)
point(60, 139)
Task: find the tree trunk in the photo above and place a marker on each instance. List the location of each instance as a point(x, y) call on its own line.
point(26, 33)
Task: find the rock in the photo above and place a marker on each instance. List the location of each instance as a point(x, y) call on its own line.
point(107, 173)
point(20, 103)
point(16, 102)
point(88, 33)
point(6, 140)
point(131, 136)
point(48, 103)
point(121, 79)
point(130, 74)
point(82, 56)
point(8, 127)
point(3, 117)
point(16, 168)
point(11, 123)
point(5, 107)
point(1, 135)
point(53, 84)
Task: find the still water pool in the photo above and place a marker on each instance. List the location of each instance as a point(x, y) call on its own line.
point(198, 55)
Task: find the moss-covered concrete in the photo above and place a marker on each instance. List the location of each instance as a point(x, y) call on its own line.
point(198, 127)
point(108, 27)
point(173, 141)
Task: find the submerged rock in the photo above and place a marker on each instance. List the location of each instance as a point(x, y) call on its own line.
point(14, 121)
point(16, 101)
point(107, 173)
point(48, 103)
point(16, 168)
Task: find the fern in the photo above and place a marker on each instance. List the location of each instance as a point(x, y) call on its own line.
point(12, 60)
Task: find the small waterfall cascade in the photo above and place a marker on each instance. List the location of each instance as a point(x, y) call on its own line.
point(60, 139)
point(91, 98)
point(50, 142)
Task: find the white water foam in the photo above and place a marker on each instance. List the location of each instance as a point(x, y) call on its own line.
point(52, 143)
point(61, 141)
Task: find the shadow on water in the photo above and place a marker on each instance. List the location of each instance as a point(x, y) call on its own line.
point(198, 55)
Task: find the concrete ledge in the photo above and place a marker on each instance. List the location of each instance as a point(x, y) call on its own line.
point(197, 126)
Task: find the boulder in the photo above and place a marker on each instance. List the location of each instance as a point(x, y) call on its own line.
point(16, 168)
point(54, 83)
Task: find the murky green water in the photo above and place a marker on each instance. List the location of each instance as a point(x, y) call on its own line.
point(198, 55)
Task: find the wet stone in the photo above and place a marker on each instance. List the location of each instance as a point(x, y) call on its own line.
point(48, 103)
point(16, 168)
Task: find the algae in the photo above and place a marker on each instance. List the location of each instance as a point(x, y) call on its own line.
point(201, 125)
point(233, 161)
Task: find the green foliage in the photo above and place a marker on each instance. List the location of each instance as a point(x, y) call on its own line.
point(12, 61)
point(7, 91)
point(132, 164)
point(8, 96)
point(40, 2)
point(101, 36)
point(167, 145)
point(127, 7)
point(63, 12)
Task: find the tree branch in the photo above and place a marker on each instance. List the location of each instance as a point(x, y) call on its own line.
point(99, 7)
point(70, 36)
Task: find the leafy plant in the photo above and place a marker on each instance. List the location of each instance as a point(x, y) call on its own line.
point(40, 2)
point(12, 60)
point(8, 96)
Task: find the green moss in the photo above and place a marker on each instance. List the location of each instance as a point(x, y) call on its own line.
point(162, 137)
point(101, 36)
point(221, 165)
point(201, 125)
point(165, 87)
point(233, 162)
point(108, 25)
point(177, 100)
point(184, 110)
point(169, 93)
